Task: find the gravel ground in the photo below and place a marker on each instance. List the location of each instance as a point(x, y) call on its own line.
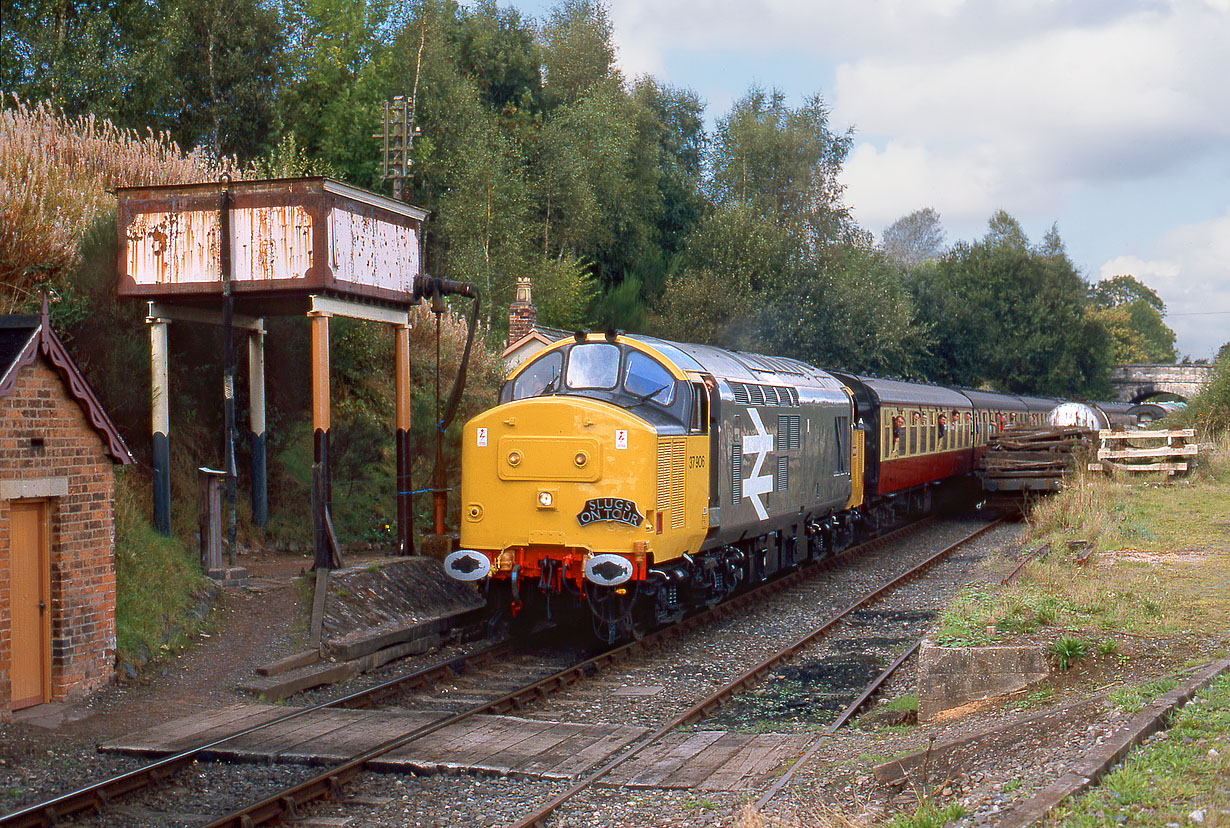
point(56, 751)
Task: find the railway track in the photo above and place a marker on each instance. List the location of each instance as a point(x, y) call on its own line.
point(328, 783)
point(751, 676)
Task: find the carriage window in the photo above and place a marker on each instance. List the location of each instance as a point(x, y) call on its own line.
point(646, 377)
point(593, 365)
point(541, 376)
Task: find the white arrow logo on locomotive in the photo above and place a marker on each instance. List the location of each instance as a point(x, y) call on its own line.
point(759, 444)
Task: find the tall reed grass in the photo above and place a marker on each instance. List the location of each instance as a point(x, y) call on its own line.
point(57, 174)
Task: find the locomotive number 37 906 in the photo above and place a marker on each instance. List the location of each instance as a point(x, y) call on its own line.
point(697, 462)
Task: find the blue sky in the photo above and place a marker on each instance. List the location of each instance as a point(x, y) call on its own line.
point(1108, 117)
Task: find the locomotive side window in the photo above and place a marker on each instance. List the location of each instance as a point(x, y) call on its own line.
point(700, 409)
point(539, 377)
point(644, 377)
point(841, 426)
point(593, 365)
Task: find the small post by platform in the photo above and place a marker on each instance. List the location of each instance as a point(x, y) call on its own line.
point(160, 422)
point(211, 483)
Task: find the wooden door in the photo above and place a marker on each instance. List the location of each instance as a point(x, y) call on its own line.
point(30, 599)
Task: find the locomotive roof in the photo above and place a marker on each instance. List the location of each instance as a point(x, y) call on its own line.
point(897, 392)
point(739, 365)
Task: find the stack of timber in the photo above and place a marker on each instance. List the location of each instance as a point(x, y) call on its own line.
point(1031, 459)
point(1134, 452)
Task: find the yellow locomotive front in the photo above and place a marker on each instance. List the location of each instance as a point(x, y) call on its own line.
point(589, 477)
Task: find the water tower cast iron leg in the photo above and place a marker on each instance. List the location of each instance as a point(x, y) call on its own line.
point(320, 437)
point(405, 497)
point(256, 399)
point(160, 423)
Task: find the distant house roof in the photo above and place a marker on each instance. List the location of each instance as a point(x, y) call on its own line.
point(22, 339)
point(540, 333)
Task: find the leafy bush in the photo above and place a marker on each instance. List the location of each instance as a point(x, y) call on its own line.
point(1209, 411)
point(1067, 651)
point(143, 559)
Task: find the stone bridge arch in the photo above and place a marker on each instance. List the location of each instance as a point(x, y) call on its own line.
point(1136, 383)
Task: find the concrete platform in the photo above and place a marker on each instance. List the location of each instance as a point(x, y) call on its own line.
point(506, 745)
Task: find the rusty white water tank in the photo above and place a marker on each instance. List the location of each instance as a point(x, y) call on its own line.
point(1078, 414)
point(288, 237)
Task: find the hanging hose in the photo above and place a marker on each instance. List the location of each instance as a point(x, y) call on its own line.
point(436, 290)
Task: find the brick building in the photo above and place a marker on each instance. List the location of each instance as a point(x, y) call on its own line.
point(57, 531)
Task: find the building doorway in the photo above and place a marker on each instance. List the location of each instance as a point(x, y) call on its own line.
point(30, 597)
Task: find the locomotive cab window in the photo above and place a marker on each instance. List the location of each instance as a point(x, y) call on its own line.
point(593, 365)
point(646, 378)
point(539, 377)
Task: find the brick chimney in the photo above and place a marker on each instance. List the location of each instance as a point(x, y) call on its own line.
point(522, 314)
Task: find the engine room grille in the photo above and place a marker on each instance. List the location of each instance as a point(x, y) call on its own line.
point(783, 473)
point(749, 393)
point(672, 468)
point(789, 433)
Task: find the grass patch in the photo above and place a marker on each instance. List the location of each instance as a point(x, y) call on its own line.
point(1159, 562)
point(1043, 695)
point(907, 702)
point(929, 815)
point(1131, 699)
point(1169, 780)
point(156, 580)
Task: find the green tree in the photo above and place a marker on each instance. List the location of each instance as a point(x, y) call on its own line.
point(913, 239)
point(85, 56)
point(224, 58)
point(1133, 313)
point(1011, 316)
point(851, 311)
point(783, 164)
point(578, 52)
point(676, 133)
point(498, 50)
point(732, 260)
point(338, 72)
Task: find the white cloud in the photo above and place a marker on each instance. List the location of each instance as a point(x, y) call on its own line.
point(884, 185)
point(1190, 271)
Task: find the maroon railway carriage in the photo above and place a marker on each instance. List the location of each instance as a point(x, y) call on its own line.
point(916, 435)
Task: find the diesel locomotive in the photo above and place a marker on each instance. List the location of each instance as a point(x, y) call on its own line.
point(634, 479)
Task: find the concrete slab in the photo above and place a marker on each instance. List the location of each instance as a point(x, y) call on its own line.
point(949, 677)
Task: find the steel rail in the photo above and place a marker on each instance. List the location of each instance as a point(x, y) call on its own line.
point(838, 723)
point(747, 678)
point(329, 782)
point(98, 794)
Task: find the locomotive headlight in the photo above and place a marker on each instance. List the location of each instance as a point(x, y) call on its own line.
point(546, 500)
point(581, 459)
point(514, 458)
